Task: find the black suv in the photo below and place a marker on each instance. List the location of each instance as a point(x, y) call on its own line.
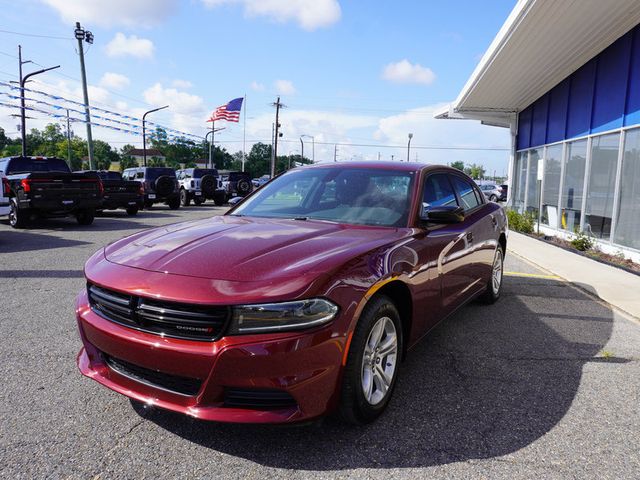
point(159, 184)
point(118, 192)
point(237, 184)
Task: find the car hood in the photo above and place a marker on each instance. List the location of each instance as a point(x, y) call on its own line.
point(248, 249)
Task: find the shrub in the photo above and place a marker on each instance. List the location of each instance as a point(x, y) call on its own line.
point(519, 222)
point(582, 242)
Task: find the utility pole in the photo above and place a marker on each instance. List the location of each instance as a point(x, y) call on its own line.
point(274, 159)
point(409, 146)
point(88, 37)
point(335, 153)
point(23, 80)
point(378, 156)
point(68, 139)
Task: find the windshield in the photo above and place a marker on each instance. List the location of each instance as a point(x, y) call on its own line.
point(110, 175)
point(155, 172)
point(358, 196)
point(28, 165)
point(201, 172)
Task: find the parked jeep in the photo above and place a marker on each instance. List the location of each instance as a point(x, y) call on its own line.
point(119, 193)
point(159, 183)
point(45, 187)
point(237, 184)
point(200, 184)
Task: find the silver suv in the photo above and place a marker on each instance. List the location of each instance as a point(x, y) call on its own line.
point(200, 184)
point(492, 191)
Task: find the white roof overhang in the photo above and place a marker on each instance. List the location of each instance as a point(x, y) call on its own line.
point(541, 43)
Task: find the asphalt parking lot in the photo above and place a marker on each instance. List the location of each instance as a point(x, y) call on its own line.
point(543, 384)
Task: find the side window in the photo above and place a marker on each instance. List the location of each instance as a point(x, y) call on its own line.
point(466, 192)
point(438, 192)
point(140, 175)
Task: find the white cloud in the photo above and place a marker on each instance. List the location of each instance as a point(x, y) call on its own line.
point(181, 83)
point(256, 86)
point(121, 46)
point(115, 81)
point(406, 72)
point(285, 87)
point(182, 103)
point(146, 13)
point(308, 14)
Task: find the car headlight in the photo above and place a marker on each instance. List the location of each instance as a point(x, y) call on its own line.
point(279, 317)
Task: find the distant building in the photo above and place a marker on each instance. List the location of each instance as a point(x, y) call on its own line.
point(138, 154)
point(564, 77)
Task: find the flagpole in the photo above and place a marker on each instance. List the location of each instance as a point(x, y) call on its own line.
point(244, 132)
point(211, 147)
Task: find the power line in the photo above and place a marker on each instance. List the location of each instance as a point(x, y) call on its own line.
point(35, 35)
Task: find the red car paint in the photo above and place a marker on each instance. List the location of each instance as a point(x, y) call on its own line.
point(230, 260)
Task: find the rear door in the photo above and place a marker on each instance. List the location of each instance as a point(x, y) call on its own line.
point(479, 230)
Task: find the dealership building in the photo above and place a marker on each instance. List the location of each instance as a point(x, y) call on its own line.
point(564, 77)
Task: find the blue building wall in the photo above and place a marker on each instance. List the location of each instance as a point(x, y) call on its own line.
point(603, 94)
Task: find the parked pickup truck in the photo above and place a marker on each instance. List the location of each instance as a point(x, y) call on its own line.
point(45, 187)
point(119, 193)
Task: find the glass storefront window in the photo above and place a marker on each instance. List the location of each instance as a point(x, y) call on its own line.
point(551, 188)
point(533, 200)
point(520, 176)
point(628, 221)
point(571, 204)
point(602, 184)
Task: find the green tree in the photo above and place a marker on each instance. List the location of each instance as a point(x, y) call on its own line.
point(459, 164)
point(475, 171)
point(104, 155)
point(78, 151)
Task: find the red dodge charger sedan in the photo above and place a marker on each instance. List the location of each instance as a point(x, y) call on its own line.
point(300, 301)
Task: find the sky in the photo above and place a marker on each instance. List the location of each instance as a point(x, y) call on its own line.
point(358, 76)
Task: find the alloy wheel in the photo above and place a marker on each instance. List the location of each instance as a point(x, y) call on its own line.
point(379, 361)
point(496, 273)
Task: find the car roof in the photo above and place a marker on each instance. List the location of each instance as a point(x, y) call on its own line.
point(382, 165)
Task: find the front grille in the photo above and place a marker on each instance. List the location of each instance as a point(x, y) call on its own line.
point(257, 399)
point(154, 378)
point(178, 320)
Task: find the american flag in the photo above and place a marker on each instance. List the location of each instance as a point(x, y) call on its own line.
point(229, 112)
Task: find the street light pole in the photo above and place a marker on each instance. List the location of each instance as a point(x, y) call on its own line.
point(302, 146)
point(144, 133)
point(23, 116)
point(313, 147)
point(409, 145)
point(210, 164)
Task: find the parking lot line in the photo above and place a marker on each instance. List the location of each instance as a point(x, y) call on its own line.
point(533, 275)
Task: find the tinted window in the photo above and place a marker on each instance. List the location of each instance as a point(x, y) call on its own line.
point(438, 192)
point(466, 192)
point(109, 175)
point(201, 172)
point(344, 195)
point(27, 165)
point(153, 173)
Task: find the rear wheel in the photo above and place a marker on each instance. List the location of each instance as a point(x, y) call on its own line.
point(133, 210)
point(85, 217)
point(494, 287)
point(493, 198)
point(148, 204)
point(174, 203)
point(198, 201)
point(372, 364)
point(17, 218)
point(219, 200)
point(184, 198)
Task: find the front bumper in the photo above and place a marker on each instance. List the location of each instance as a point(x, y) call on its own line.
point(306, 366)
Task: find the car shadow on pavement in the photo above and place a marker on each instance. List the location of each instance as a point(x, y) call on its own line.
point(487, 382)
point(23, 241)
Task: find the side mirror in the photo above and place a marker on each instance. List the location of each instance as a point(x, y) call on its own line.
point(442, 214)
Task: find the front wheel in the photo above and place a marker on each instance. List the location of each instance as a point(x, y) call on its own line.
point(372, 364)
point(199, 200)
point(185, 200)
point(17, 218)
point(494, 287)
point(133, 210)
point(85, 217)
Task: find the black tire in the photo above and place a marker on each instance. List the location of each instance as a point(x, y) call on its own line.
point(133, 210)
point(220, 199)
point(354, 406)
point(208, 185)
point(185, 199)
point(199, 200)
point(174, 203)
point(148, 204)
point(493, 198)
point(492, 294)
point(85, 217)
point(165, 185)
point(18, 218)
point(243, 187)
